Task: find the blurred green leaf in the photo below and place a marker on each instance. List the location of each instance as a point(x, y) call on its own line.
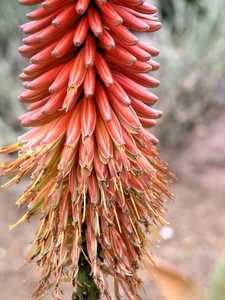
point(217, 288)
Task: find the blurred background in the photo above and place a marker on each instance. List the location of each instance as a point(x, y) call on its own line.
point(192, 135)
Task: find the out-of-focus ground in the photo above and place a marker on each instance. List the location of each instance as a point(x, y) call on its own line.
point(197, 219)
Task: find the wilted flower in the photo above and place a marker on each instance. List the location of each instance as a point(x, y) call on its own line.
point(96, 177)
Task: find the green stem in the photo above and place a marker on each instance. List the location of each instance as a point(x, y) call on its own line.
point(86, 289)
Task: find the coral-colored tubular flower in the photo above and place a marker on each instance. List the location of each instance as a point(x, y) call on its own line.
point(96, 177)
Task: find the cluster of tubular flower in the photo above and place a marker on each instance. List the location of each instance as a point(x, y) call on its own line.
point(96, 177)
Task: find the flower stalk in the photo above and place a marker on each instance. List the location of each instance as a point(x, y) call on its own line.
point(86, 287)
point(97, 181)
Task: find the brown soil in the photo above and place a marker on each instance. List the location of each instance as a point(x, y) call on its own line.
point(197, 218)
